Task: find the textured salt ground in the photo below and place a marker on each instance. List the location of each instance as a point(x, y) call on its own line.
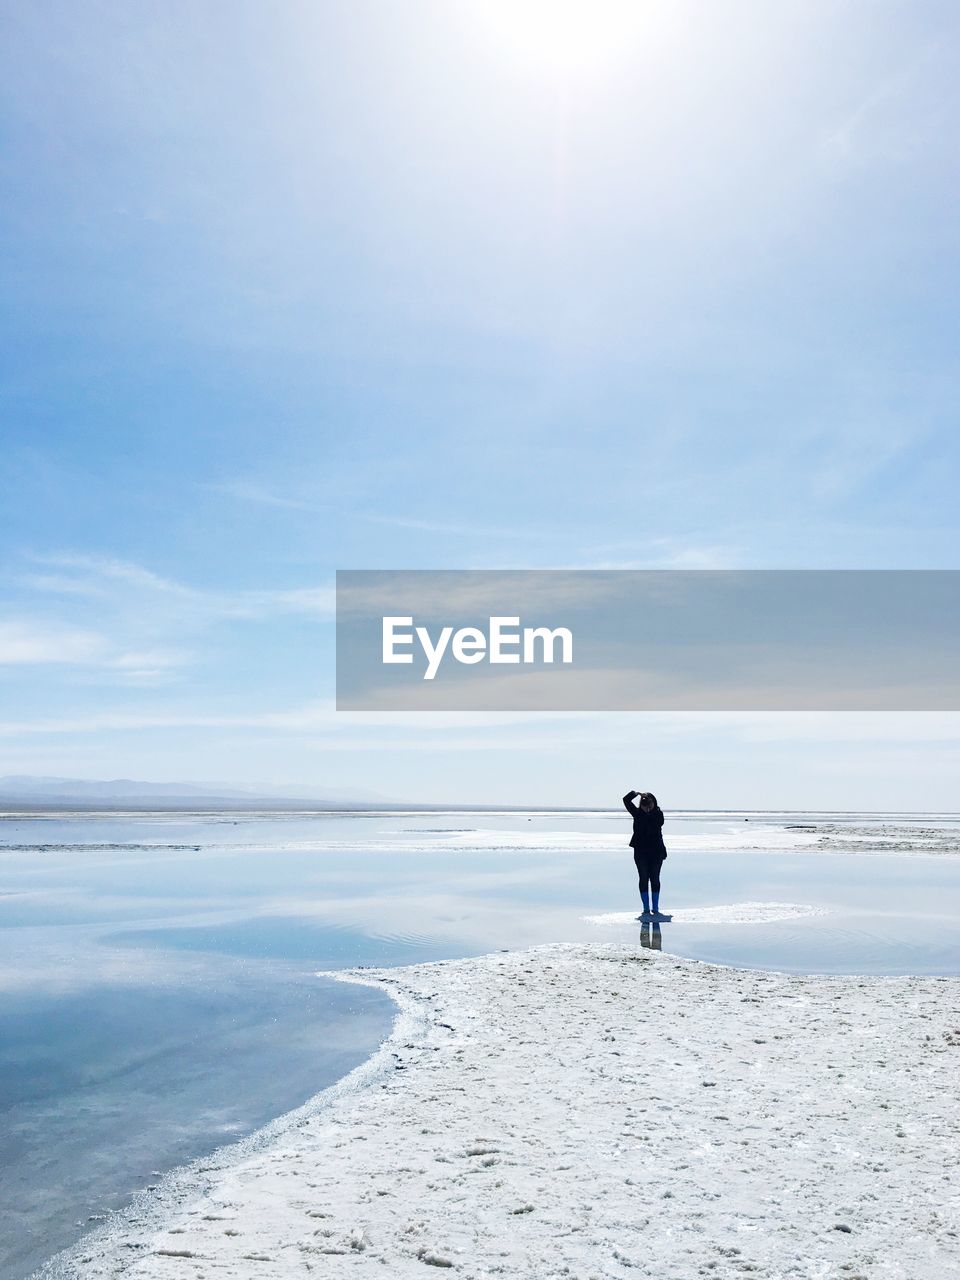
point(601, 1111)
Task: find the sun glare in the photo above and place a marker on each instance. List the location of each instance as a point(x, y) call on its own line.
point(562, 36)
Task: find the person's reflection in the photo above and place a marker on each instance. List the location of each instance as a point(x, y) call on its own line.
point(651, 938)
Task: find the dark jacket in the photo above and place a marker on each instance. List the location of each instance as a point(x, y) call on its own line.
point(647, 827)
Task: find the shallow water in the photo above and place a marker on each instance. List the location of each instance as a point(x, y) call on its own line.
point(157, 971)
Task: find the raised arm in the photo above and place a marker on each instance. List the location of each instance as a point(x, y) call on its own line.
point(628, 804)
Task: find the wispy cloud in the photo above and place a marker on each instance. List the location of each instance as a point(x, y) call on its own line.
point(859, 135)
point(663, 553)
point(151, 666)
point(476, 730)
point(23, 641)
point(29, 642)
point(124, 581)
point(251, 491)
point(124, 620)
point(317, 717)
point(462, 530)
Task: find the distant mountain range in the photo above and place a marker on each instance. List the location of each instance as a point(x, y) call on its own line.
point(29, 791)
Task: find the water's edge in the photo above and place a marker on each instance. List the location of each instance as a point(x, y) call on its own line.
point(149, 1208)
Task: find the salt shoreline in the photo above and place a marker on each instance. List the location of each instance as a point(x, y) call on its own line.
point(593, 1111)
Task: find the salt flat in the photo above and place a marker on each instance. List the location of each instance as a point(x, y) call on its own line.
point(598, 1111)
point(731, 913)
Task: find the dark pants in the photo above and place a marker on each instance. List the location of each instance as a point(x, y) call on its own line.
point(648, 869)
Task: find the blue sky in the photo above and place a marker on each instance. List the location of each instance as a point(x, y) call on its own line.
point(299, 287)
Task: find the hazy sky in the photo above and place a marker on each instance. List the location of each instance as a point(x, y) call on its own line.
point(295, 287)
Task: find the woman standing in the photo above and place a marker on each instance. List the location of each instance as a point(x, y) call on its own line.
point(648, 848)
